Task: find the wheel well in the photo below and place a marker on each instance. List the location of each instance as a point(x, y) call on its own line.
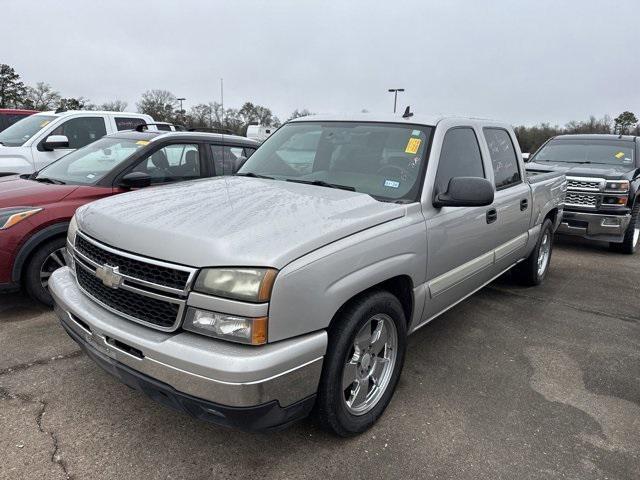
point(401, 287)
point(552, 215)
point(35, 249)
point(32, 245)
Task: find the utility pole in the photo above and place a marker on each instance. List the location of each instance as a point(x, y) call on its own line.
point(395, 96)
point(222, 99)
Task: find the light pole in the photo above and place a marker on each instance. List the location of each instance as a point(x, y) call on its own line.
point(181, 100)
point(395, 96)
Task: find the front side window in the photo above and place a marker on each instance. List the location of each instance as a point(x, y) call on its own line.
point(82, 131)
point(384, 160)
point(21, 131)
point(88, 165)
point(576, 150)
point(173, 163)
point(460, 157)
point(225, 158)
point(503, 157)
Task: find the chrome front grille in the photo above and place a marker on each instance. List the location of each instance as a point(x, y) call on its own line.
point(143, 290)
point(586, 184)
point(578, 199)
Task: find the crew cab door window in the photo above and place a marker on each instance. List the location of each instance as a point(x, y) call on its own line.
point(173, 163)
point(225, 158)
point(81, 131)
point(128, 123)
point(460, 157)
point(504, 160)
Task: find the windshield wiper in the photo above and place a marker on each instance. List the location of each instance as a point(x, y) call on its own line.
point(253, 175)
point(54, 181)
point(322, 183)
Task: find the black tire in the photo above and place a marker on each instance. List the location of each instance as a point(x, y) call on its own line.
point(527, 272)
point(331, 407)
point(31, 275)
point(630, 243)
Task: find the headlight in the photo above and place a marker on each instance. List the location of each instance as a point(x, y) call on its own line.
point(247, 284)
point(252, 331)
point(13, 215)
point(73, 230)
point(618, 186)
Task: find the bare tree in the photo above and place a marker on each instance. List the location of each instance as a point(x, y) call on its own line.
point(42, 97)
point(160, 104)
point(299, 113)
point(114, 106)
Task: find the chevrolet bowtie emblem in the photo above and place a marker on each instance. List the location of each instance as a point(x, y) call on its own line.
point(110, 276)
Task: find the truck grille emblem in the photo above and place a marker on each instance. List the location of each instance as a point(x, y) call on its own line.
point(110, 276)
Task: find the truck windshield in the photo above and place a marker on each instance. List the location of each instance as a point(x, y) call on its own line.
point(606, 152)
point(88, 165)
point(384, 160)
point(21, 131)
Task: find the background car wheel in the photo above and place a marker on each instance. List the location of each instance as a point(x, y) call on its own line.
point(632, 236)
point(365, 355)
point(43, 262)
point(534, 269)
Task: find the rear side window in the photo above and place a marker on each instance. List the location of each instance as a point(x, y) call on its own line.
point(125, 123)
point(225, 158)
point(460, 157)
point(82, 131)
point(503, 157)
point(172, 163)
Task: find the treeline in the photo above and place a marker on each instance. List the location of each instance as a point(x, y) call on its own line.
point(530, 138)
point(164, 106)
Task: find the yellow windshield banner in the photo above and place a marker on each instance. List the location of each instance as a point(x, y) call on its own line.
point(413, 145)
point(619, 155)
point(142, 142)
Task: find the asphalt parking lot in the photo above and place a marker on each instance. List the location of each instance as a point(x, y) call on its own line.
point(513, 383)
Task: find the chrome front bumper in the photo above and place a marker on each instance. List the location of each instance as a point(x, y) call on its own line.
point(595, 226)
point(213, 370)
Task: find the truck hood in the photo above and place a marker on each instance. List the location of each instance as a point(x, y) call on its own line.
point(232, 221)
point(610, 172)
point(15, 159)
point(16, 192)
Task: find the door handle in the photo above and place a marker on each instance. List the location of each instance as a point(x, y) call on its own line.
point(492, 215)
point(524, 204)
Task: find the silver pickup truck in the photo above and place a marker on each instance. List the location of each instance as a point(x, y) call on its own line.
point(248, 300)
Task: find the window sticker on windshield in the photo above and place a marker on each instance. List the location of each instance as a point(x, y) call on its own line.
point(91, 176)
point(45, 123)
point(415, 133)
point(391, 183)
point(142, 142)
point(413, 145)
point(627, 160)
point(619, 155)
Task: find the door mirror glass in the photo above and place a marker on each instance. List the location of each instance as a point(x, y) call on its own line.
point(466, 192)
point(54, 142)
point(526, 156)
point(135, 180)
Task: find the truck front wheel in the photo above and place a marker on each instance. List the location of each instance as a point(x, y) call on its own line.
point(629, 244)
point(365, 355)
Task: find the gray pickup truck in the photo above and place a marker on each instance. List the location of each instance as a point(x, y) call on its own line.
point(248, 300)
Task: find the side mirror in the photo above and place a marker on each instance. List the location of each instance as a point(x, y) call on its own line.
point(135, 180)
point(55, 141)
point(466, 192)
point(238, 163)
point(526, 157)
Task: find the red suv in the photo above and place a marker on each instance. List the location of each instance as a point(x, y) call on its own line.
point(35, 209)
point(9, 116)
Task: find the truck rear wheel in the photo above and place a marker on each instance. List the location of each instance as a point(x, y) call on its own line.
point(365, 355)
point(632, 235)
point(533, 270)
point(43, 262)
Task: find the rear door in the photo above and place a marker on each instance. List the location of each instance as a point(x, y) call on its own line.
point(512, 202)
point(460, 240)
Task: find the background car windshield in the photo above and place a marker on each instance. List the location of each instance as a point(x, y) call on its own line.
point(90, 164)
point(383, 160)
point(609, 152)
point(23, 130)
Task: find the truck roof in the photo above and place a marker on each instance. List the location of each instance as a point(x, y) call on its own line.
point(597, 136)
point(100, 112)
point(416, 119)
point(161, 134)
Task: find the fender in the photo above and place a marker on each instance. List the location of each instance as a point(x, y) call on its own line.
point(34, 242)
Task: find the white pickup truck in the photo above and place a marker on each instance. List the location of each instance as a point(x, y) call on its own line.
point(35, 141)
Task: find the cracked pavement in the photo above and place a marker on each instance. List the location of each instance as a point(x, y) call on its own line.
point(531, 383)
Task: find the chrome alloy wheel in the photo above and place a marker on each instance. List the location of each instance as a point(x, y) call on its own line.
point(544, 253)
point(636, 236)
point(369, 364)
point(50, 265)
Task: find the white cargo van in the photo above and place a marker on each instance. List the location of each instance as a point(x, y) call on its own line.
point(35, 141)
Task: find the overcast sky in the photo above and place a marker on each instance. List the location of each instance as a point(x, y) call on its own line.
point(513, 60)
